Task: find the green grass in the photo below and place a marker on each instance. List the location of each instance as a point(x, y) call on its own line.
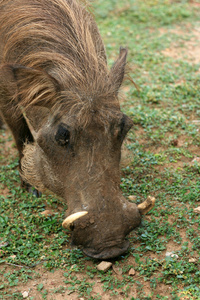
point(162, 144)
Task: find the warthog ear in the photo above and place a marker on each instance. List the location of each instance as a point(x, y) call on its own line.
point(35, 118)
point(30, 86)
point(33, 91)
point(118, 69)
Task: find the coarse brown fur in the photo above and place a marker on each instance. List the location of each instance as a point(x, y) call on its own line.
point(60, 101)
point(67, 48)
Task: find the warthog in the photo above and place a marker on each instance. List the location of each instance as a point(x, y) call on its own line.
point(60, 101)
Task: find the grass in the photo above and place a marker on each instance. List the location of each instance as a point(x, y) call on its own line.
point(162, 145)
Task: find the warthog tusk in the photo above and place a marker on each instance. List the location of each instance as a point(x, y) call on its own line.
point(147, 205)
point(70, 219)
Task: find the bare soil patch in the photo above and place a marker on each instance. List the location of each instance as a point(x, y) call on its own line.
point(189, 49)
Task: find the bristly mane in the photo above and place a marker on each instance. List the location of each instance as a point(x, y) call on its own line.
point(61, 39)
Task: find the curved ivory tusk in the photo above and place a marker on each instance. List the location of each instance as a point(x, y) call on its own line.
point(70, 219)
point(147, 205)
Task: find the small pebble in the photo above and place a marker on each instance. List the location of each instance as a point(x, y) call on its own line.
point(192, 260)
point(47, 213)
point(196, 160)
point(131, 272)
point(25, 294)
point(104, 266)
point(3, 244)
point(171, 254)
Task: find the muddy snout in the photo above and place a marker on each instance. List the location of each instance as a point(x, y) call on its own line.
point(96, 241)
point(103, 235)
point(107, 252)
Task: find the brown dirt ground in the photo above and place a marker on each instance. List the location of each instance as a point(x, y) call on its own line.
point(189, 50)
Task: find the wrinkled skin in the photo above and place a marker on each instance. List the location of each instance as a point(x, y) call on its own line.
point(86, 173)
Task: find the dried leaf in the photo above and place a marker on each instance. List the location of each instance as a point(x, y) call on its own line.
point(117, 270)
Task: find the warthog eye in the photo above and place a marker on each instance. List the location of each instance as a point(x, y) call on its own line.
point(62, 136)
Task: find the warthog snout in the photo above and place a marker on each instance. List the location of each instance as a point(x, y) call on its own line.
point(108, 235)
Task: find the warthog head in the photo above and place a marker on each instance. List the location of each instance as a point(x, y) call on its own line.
point(81, 163)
